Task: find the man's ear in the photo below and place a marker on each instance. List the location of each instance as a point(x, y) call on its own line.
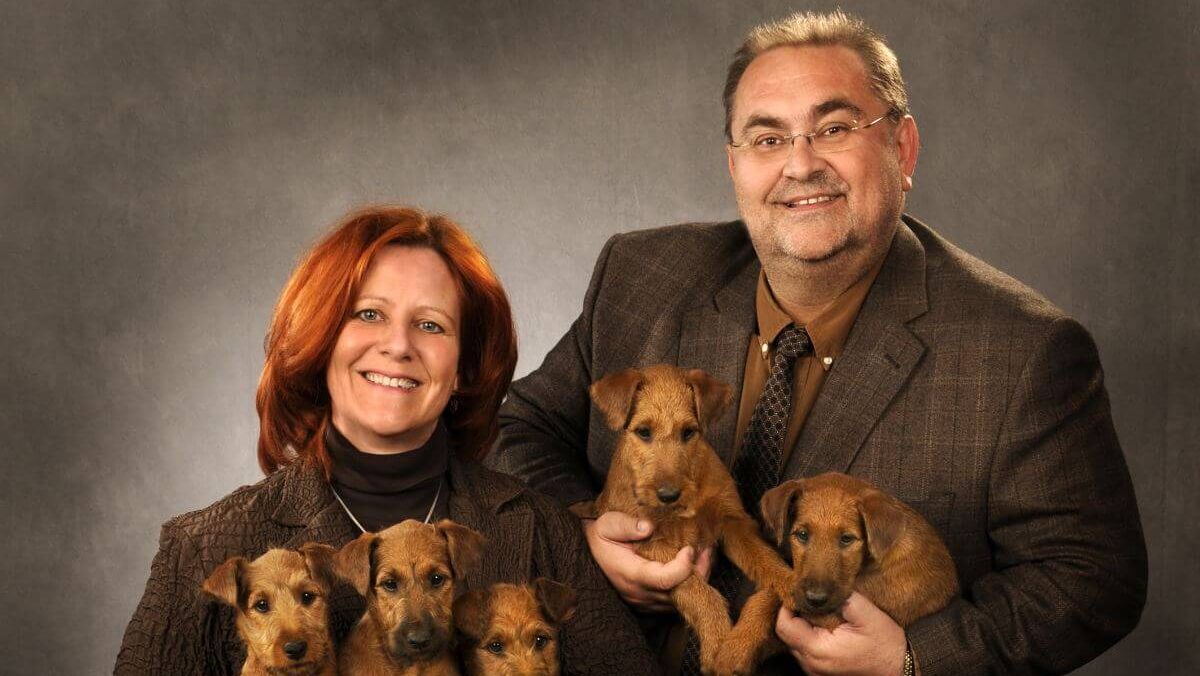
point(614, 395)
point(353, 562)
point(711, 396)
point(465, 546)
point(908, 146)
point(557, 601)
point(225, 583)
point(776, 508)
point(470, 614)
point(883, 522)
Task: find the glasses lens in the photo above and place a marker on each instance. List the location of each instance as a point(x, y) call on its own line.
point(834, 136)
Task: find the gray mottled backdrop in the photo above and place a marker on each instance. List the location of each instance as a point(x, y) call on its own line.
point(163, 164)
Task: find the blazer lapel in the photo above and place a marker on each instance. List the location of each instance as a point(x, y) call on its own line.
point(308, 504)
point(713, 336)
point(881, 353)
point(508, 553)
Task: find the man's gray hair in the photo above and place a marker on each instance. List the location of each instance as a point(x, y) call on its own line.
point(822, 30)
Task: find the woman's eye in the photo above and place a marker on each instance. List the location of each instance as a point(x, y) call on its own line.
point(389, 584)
point(495, 647)
point(430, 326)
point(262, 606)
point(436, 580)
point(643, 433)
point(688, 434)
point(369, 315)
point(307, 598)
point(540, 641)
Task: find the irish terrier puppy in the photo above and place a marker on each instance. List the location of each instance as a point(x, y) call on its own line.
point(282, 615)
point(407, 574)
point(512, 630)
point(664, 471)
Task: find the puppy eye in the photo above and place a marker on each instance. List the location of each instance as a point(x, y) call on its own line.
point(436, 580)
point(262, 606)
point(540, 641)
point(643, 433)
point(307, 598)
point(389, 584)
point(802, 536)
point(495, 647)
point(688, 433)
point(846, 540)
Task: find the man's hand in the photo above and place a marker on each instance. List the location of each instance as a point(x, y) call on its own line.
point(642, 583)
point(869, 643)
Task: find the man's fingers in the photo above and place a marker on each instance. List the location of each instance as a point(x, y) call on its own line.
point(794, 631)
point(666, 576)
point(621, 527)
point(704, 562)
point(858, 610)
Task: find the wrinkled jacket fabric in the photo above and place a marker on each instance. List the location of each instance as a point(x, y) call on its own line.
point(177, 629)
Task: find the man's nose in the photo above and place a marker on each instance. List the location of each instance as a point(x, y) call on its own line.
point(802, 161)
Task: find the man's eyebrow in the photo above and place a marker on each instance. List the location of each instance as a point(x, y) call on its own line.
point(833, 105)
point(768, 121)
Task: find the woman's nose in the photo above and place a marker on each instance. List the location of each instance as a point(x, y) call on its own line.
point(397, 342)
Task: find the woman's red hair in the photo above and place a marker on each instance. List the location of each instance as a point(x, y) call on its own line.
point(293, 400)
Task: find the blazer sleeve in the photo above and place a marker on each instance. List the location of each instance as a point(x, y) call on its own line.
point(602, 638)
point(544, 420)
point(1069, 573)
point(169, 632)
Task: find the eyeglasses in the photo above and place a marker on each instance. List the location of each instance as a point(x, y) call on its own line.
point(832, 137)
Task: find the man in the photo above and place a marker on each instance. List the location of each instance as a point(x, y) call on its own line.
point(920, 368)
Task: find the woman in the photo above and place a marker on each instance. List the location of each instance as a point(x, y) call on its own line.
point(387, 357)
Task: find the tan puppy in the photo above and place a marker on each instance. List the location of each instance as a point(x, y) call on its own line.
point(664, 471)
point(847, 535)
point(407, 573)
point(512, 630)
point(282, 615)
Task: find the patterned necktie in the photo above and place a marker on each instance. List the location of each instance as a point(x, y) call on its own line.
point(758, 465)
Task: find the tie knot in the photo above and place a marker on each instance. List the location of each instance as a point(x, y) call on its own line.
point(792, 342)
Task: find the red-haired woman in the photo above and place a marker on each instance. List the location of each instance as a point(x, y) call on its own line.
point(387, 358)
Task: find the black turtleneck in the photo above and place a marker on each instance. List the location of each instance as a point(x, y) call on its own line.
point(381, 490)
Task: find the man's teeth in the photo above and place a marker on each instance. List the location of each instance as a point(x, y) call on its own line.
point(402, 383)
point(811, 200)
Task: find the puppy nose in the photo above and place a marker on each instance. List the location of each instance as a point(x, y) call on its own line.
point(817, 597)
point(418, 638)
point(668, 494)
point(295, 649)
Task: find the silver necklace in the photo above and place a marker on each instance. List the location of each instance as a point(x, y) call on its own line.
point(350, 514)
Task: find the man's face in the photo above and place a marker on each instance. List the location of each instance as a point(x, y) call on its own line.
point(832, 211)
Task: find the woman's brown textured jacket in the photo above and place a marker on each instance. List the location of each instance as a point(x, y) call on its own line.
point(176, 629)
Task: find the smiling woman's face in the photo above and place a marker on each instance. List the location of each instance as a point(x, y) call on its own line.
point(395, 362)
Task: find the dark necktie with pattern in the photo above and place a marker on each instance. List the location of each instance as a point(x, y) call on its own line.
point(759, 464)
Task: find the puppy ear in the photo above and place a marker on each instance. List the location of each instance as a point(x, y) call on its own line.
point(711, 395)
point(319, 559)
point(471, 614)
point(352, 563)
point(614, 394)
point(776, 507)
point(464, 544)
point(225, 583)
point(883, 521)
point(557, 601)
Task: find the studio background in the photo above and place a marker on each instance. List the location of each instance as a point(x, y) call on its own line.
point(165, 163)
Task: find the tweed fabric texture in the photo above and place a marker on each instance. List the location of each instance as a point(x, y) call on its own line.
point(177, 630)
point(961, 391)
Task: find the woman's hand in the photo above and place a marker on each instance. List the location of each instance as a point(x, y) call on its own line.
point(641, 583)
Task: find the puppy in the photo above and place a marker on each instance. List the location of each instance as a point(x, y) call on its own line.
point(664, 471)
point(512, 630)
point(282, 615)
point(407, 573)
point(847, 535)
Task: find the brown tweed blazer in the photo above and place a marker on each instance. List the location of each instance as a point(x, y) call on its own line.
point(177, 630)
point(960, 390)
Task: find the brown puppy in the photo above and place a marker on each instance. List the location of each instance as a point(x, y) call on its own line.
point(282, 615)
point(847, 535)
point(407, 573)
point(664, 471)
point(512, 630)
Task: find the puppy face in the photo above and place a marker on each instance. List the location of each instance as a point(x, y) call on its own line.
point(282, 614)
point(513, 629)
point(408, 574)
point(835, 526)
point(661, 412)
